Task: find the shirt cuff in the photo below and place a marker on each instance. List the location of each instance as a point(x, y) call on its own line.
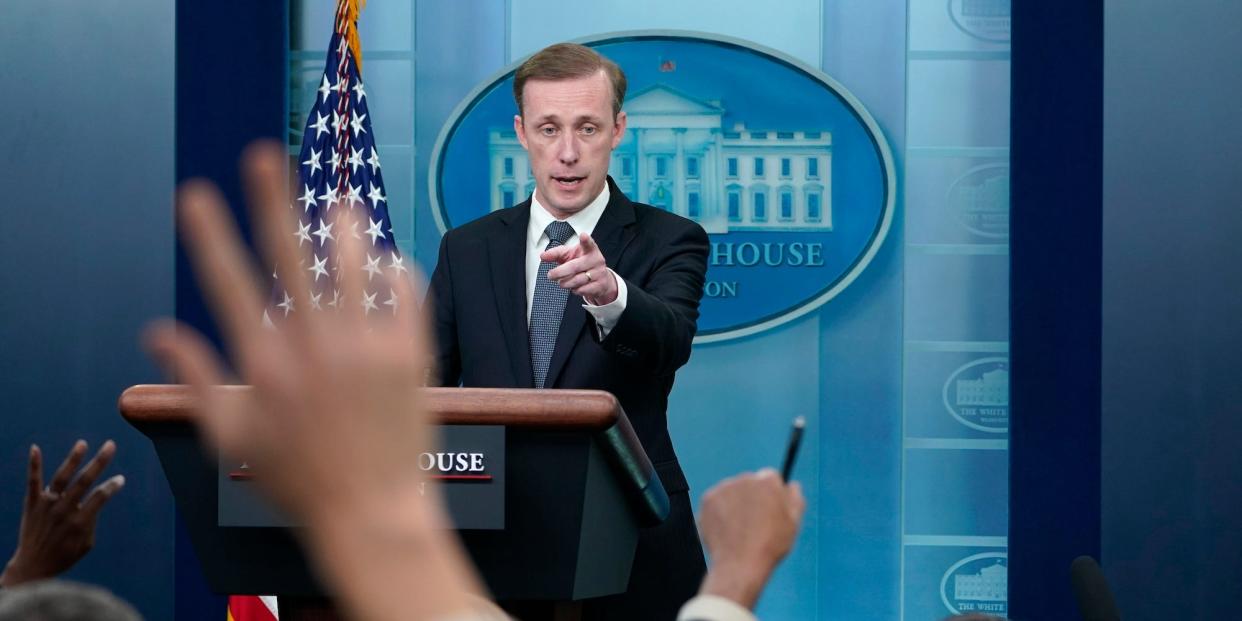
point(607, 315)
point(714, 608)
point(475, 616)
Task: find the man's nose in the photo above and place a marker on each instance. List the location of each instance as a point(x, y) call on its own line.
point(567, 149)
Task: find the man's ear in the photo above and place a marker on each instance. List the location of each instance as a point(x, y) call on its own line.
point(520, 130)
point(618, 129)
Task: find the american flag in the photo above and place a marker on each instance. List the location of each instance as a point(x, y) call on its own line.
point(339, 169)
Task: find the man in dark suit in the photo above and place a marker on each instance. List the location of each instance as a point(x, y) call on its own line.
point(578, 287)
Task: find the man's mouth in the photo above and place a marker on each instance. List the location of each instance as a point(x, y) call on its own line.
point(568, 182)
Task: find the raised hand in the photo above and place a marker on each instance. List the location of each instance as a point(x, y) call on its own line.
point(749, 523)
point(333, 424)
point(58, 521)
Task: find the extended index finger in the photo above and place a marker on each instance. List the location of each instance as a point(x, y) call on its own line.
point(559, 254)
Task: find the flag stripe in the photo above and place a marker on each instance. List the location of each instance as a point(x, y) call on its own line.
point(250, 608)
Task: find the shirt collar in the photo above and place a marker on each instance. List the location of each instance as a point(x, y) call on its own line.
point(583, 222)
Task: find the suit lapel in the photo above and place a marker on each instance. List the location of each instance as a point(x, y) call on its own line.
point(612, 233)
point(615, 229)
point(507, 250)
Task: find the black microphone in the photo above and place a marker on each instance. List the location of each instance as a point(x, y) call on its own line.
point(1095, 599)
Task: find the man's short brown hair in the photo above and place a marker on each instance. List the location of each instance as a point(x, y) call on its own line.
point(568, 61)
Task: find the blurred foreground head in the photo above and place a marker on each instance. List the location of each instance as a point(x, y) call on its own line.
point(61, 600)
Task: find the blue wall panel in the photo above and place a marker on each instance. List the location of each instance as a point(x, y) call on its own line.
point(88, 256)
point(1172, 296)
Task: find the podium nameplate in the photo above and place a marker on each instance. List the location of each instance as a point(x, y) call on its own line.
point(469, 467)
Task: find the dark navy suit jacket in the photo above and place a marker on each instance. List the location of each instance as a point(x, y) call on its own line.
point(479, 289)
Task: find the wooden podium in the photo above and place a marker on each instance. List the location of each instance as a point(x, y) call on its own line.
point(577, 487)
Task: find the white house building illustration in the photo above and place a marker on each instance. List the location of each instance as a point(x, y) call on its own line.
point(981, 199)
point(677, 155)
point(991, 584)
point(992, 389)
point(988, 196)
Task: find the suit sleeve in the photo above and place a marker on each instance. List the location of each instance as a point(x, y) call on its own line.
point(448, 356)
point(662, 312)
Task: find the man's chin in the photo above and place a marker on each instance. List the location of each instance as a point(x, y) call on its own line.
point(566, 201)
point(564, 208)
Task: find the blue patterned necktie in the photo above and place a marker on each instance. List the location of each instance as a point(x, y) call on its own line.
point(547, 307)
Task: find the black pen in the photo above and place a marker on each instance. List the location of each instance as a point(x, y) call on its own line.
point(791, 452)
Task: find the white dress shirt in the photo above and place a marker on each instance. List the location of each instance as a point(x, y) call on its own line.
point(699, 608)
point(714, 608)
point(607, 315)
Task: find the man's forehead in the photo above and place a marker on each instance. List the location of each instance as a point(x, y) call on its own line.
point(570, 117)
point(598, 78)
point(572, 97)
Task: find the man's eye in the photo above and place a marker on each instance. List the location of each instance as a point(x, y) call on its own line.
point(548, 131)
point(588, 130)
